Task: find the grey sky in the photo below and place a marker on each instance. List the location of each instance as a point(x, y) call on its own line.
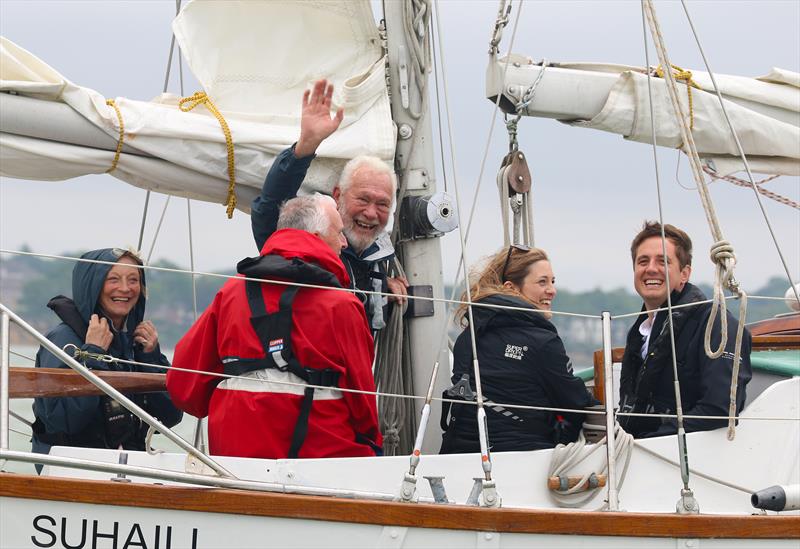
point(591, 190)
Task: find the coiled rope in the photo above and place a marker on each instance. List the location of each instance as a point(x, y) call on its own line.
point(200, 98)
point(567, 456)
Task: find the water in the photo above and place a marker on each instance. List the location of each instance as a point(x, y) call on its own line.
point(20, 432)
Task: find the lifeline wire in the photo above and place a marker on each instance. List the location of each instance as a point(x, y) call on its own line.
point(80, 355)
point(385, 294)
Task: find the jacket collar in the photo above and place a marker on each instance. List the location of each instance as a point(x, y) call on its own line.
point(290, 243)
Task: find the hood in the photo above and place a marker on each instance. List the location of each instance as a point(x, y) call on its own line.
point(289, 243)
point(498, 318)
point(88, 280)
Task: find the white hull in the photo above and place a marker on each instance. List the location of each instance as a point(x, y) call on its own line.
point(764, 453)
point(28, 523)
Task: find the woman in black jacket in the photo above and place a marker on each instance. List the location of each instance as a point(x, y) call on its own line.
point(522, 361)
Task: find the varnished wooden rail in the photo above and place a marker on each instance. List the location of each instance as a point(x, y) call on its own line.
point(760, 343)
point(53, 382)
point(453, 517)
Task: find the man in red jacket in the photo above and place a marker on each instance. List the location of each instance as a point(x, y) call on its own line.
point(280, 340)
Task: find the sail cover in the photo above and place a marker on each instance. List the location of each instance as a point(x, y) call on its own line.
point(252, 59)
point(764, 111)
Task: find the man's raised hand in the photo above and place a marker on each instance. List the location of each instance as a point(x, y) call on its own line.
point(316, 122)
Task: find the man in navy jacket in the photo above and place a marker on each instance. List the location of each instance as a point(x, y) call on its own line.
point(364, 197)
point(646, 383)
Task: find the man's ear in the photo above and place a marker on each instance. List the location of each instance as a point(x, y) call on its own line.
point(686, 272)
point(336, 193)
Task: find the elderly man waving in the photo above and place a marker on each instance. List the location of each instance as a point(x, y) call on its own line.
point(364, 197)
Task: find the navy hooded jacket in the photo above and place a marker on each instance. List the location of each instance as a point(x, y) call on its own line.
point(522, 361)
point(82, 421)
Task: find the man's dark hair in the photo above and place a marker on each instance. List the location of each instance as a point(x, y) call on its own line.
point(681, 240)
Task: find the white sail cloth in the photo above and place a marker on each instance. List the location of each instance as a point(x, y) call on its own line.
point(764, 111)
point(184, 153)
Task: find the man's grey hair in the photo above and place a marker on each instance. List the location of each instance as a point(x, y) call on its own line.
point(306, 213)
point(371, 162)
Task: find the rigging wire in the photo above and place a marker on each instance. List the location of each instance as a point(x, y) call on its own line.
point(167, 72)
point(722, 253)
point(740, 149)
point(681, 435)
point(199, 437)
point(158, 228)
point(486, 460)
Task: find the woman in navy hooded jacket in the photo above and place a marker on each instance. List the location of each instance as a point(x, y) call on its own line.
point(522, 361)
point(104, 316)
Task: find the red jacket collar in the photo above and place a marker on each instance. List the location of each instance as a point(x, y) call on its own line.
point(309, 247)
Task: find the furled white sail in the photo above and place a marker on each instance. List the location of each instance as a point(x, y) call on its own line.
point(765, 111)
point(242, 53)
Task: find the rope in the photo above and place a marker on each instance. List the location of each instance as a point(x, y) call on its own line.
point(148, 443)
point(416, 20)
point(200, 98)
point(766, 192)
point(743, 156)
point(389, 378)
point(721, 252)
point(120, 139)
point(565, 457)
point(681, 433)
point(684, 76)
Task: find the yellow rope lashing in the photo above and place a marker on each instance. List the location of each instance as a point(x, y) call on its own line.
point(685, 76)
point(200, 98)
point(110, 103)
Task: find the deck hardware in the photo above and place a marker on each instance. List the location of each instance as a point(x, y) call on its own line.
point(408, 490)
point(437, 487)
point(402, 67)
point(122, 460)
point(489, 494)
point(405, 131)
point(477, 486)
point(418, 308)
point(427, 216)
point(687, 505)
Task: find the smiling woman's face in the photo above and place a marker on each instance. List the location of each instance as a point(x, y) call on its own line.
point(121, 290)
point(539, 285)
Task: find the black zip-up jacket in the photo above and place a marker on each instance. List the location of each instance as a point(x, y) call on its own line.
point(522, 361)
point(646, 386)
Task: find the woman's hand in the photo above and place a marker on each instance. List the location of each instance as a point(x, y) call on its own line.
point(99, 333)
point(146, 334)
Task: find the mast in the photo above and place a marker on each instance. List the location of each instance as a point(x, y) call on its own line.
point(421, 258)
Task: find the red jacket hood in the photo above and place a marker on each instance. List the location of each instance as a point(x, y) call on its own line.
point(289, 243)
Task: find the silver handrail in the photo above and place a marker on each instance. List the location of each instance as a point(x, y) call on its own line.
point(94, 380)
point(613, 495)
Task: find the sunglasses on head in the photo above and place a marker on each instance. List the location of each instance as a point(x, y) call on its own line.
point(520, 247)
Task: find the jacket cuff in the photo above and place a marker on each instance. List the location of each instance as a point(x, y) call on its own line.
point(295, 163)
